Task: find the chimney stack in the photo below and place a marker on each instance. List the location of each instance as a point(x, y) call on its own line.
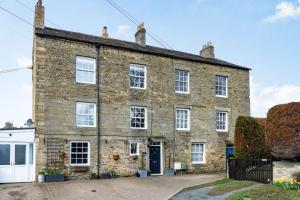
point(140, 35)
point(104, 32)
point(207, 51)
point(39, 15)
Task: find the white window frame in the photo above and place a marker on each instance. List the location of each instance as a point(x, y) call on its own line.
point(94, 63)
point(226, 81)
point(77, 114)
point(188, 119)
point(188, 82)
point(88, 153)
point(226, 121)
point(137, 148)
point(146, 124)
point(145, 75)
point(204, 153)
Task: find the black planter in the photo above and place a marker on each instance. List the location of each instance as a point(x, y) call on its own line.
point(54, 178)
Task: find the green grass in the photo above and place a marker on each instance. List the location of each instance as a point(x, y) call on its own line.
point(221, 189)
point(217, 182)
point(266, 192)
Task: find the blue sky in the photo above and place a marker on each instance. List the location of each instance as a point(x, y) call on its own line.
point(262, 35)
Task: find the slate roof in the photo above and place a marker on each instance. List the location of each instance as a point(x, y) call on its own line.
point(131, 46)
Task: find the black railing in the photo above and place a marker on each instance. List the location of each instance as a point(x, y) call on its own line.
point(259, 170)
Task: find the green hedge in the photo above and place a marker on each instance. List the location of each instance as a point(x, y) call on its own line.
point(249, 139)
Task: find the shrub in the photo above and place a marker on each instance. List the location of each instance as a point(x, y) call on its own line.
point(249, 139)
point(283, 131)
point(296, 176)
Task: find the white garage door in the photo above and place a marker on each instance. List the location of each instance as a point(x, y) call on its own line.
point(17, 155)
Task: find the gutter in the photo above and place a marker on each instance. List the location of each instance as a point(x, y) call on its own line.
point(98, 108)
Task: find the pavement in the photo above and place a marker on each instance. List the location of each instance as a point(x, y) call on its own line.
point(203, 193)
point(133, 188)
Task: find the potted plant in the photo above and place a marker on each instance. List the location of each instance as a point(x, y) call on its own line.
point(169, 171)
point(54, 175)
point(142, 171)
point(41, 176)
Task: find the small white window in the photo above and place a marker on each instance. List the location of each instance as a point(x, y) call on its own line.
point(133, 148)
point(182, 81)
point(138, 117)
point(182, 119)
point(85, 114)
point(221, 121)
point(221, 86)
point(198, 153)
point(79, 153)
point(85, 70)
point(137, 76)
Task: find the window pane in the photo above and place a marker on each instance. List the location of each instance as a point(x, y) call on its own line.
point(137, 76)
point(221, 85)
point(138, 117)
point(85, 114)
point(30, 154)
point(4, 154)
point(181, 83)
point(20, 154)
point(79, 153)
point(182, 118)
point(85, 69)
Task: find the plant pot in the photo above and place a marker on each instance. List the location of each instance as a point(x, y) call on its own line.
point(143, 172)
point(54, 178)
point(41, 178)
point(169, 172)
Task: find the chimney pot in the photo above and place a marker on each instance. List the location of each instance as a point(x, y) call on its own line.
point(207, 50)
point(104, 32)
point(140, 35)
point(39, 15)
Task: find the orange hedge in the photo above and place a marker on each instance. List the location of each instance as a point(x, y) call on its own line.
point(283, 131)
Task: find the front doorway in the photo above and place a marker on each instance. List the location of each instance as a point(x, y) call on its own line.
point(155, 158)
point(16, 162)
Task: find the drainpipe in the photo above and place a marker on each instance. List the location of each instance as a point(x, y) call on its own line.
point(98, 108)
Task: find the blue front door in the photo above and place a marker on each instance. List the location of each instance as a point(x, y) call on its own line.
point(154, 159)
point(229, 150)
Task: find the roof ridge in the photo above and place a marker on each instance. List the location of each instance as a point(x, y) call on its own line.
point(117, 43)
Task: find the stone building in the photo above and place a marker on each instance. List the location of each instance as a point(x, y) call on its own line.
point(102, 104)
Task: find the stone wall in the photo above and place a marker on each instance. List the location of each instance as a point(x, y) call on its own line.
point(55, 93)
point(285, 169)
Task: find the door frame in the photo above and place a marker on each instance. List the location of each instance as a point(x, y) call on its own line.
point(161, 158)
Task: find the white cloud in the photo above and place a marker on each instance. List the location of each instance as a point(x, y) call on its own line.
point(263, 97)
point(284, 10)
point(23, 60)
point(123, 31)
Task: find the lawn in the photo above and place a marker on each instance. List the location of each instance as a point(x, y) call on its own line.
point(266, 192)
point(229, 186)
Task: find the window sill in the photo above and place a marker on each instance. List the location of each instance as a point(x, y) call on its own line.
point(137, 88)
point(183, 130)
point(224, 97)
point(85, 126)
point(177, 92)
point(222, 131)
point(85, 83)
point(198, 163)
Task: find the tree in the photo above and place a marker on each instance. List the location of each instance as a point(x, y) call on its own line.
point(249, 139)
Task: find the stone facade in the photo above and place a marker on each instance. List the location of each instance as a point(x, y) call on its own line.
point(55, 93)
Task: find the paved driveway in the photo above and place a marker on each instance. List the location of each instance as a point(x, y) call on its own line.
point(133, 188)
